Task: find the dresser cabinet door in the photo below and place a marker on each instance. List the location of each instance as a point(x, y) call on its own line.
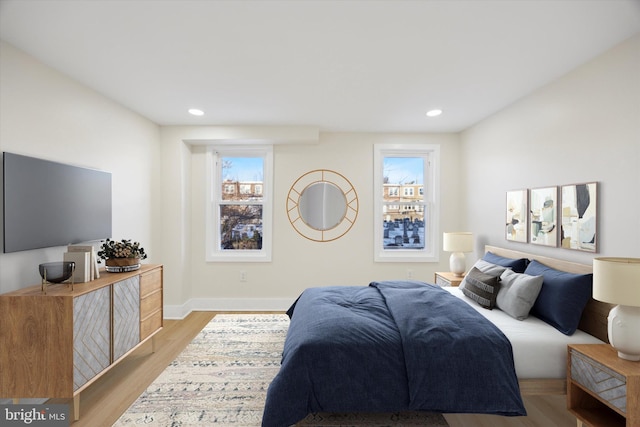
point(91, 335)
point(126, 316)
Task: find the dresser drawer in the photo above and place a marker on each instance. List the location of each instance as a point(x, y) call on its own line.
point(150, 282)
point(444, 279)
point(150, 324)
point(441, 281)
point(593, 376)
point(150, 303)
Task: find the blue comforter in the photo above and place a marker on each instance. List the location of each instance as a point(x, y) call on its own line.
point(390, 347)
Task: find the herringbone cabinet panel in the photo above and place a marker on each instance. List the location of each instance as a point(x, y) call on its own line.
point(91, 335)
point(609, 385)
point(126, 315)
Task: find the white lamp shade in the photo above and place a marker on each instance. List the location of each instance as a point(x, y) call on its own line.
point(457, 242)
point(617, 280)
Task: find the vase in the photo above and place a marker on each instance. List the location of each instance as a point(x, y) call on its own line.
point(118, 265)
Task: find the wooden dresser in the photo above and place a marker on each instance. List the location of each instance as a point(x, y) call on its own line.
point(56, 344)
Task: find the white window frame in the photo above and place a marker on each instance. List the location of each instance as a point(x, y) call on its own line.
point(431, 156)
point(214, 198)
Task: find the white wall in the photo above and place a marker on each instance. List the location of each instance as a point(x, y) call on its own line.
point(47, 115)
point(297, 262)
point(583, 127)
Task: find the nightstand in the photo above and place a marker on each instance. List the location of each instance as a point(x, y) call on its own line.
point(602, 389)
point(446, 278)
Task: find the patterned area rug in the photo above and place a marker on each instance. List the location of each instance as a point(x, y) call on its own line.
point(222, 376)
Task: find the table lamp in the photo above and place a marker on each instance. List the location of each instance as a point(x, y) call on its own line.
point(457, 243)
point(617, 281)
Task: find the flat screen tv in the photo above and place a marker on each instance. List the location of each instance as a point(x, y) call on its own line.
point(48, 204)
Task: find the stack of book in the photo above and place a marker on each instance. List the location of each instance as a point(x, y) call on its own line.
point(86, 261)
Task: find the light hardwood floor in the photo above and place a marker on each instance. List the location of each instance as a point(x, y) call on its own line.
point(103, 402)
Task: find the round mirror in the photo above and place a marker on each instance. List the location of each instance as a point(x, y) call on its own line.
point(322, 205)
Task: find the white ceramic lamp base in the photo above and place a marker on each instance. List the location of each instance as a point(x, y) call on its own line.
point(624, 331)
point(457, 263)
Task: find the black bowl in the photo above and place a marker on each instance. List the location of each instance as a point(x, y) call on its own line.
point(57, 272)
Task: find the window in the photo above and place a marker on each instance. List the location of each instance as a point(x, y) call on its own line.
point(239, 207)
point(406, 202)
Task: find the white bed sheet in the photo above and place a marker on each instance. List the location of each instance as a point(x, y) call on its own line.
point(539, 349)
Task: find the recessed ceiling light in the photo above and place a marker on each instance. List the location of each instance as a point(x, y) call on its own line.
point(196, 112)
point(434, 113)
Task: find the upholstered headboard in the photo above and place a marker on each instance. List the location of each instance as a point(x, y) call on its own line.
point(594, 316)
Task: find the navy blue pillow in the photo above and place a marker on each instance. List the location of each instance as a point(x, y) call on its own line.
point(517, 265)
point(562, 298)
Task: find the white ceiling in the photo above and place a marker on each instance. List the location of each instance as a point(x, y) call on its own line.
point(339, 65)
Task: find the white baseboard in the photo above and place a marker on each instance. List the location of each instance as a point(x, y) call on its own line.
point(226, 304)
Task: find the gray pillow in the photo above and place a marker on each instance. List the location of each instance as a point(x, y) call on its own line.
point(518, 293)
point(485, 267)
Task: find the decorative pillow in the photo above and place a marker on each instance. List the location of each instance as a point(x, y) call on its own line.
point(482, 288)
point(518, 265)
point(485, 267)
point(518, 293)
point(563, 297)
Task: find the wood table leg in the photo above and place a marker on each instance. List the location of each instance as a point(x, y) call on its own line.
point(153, 344)
point(76, 407)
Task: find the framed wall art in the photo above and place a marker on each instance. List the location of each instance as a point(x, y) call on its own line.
point(516, 216)
point(578, 216)
point(543, 218)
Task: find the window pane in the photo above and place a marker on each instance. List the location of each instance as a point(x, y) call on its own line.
point(403, 227)
point(403, 178)
point(241, 227)
point(403, 208)
point(242, 178)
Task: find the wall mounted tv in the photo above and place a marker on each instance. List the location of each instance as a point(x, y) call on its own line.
point(50, 204)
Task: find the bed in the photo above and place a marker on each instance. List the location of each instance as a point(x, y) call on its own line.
point(398, 346)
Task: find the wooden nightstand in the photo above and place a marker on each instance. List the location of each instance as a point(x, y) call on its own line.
point(445, 278)
point(602, 389)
